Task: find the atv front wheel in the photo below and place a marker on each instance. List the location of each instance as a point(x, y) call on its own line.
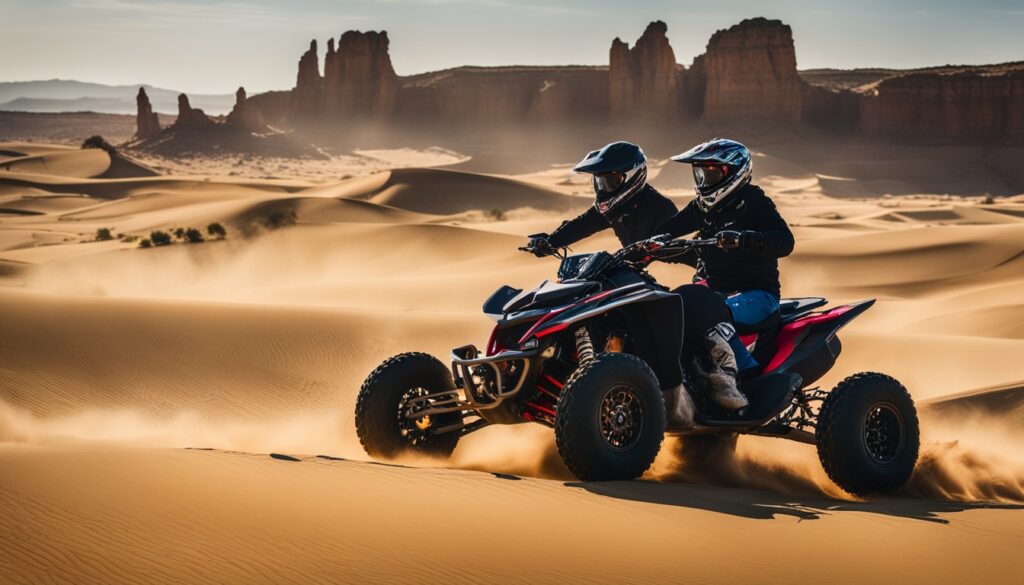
point(867, 434)
point(390, 394)
point(610, 419)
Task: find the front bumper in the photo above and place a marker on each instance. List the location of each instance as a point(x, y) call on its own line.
point(511, 370)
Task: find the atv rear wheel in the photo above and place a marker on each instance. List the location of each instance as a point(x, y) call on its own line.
point(389, 394)
point(867, 434)
point(610, 419)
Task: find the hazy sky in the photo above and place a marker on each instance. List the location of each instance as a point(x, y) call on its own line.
point(214, 46)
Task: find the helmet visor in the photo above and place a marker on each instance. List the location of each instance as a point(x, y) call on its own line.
point(608, 182)
point(706, 176)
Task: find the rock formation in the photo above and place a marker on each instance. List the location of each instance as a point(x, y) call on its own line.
point(644, 80)
point(359, 80)
point(503, 96)
point(750, 73)
point(328, 96)
point(147, 124)
point(573, 95)
point(938, 107)
point(829, 109)
point(189, 117)
point(274, 106)
point(305, 97)
point(244, 115)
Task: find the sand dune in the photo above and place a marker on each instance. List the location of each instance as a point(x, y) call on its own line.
point(83, 164)
point(20, 149)
point(444, 192)
point(119, 188)
point(114, 359)
point(260, 519)
point(227, 361)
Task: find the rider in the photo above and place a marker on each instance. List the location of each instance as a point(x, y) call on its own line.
point(744, 267)
point(635, 210)
point(625, 202)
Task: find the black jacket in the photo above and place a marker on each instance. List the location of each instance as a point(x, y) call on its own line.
point(636, 220)
point(741, 269)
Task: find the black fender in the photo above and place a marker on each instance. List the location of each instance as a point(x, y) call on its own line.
point(654, 319)
point(809, 346)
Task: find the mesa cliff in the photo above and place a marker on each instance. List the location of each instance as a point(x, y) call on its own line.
point(750, 72)
point(747, 74)
point(946, 107)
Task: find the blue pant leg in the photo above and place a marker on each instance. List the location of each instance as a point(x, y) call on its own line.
point(748, 308)
point(752, 306)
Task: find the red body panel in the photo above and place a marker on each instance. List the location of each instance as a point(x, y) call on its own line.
point(552, 314)
point(492, 342)
point(789, 334)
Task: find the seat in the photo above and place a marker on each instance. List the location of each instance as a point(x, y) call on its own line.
point(768, 323)
point(790, 309)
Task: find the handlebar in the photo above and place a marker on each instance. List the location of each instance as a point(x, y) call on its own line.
point(666, 250)
point(695, 243)
point(669, 249)
point(677, 246)
point(559, 253)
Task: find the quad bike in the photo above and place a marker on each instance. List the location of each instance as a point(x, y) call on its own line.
point(585, 354)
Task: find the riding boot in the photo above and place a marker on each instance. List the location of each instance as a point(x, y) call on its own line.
point(722, 375)
point(679, 407)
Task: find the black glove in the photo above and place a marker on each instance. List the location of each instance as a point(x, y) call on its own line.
point(746, 240)
point(641, 251)
point(540, 246)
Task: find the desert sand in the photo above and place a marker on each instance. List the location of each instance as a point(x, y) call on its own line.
point(184, 413)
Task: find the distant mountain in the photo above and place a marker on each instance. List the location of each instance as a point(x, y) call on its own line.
point(67, 95)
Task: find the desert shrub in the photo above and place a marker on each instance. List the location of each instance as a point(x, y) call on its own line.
point(97, 141)
point(216, 230)
point(103, 235)
point(193, 235)
point(257, 223)
point(280, 219)
point(145, 243)
point(160, 238)
point(988, 199)
point(179, 233)
point(495, 214)
point(127, 238)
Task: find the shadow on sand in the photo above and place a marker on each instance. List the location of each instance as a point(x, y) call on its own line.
point(749, 503)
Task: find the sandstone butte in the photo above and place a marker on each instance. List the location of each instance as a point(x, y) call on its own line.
point(147, 123)
point(747, 73)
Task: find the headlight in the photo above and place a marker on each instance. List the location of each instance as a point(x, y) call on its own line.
point(529, 344)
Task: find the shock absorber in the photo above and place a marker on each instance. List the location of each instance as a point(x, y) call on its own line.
point(584, 346)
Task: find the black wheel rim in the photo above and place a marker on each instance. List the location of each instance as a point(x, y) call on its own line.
point(884, 434)
point(416, 431)
point(622, 418)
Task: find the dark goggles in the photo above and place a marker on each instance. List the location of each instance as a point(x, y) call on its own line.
point(709, 175)
point(608, 182)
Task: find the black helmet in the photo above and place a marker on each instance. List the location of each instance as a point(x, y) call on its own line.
point(620, 171)
point(720, 167)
